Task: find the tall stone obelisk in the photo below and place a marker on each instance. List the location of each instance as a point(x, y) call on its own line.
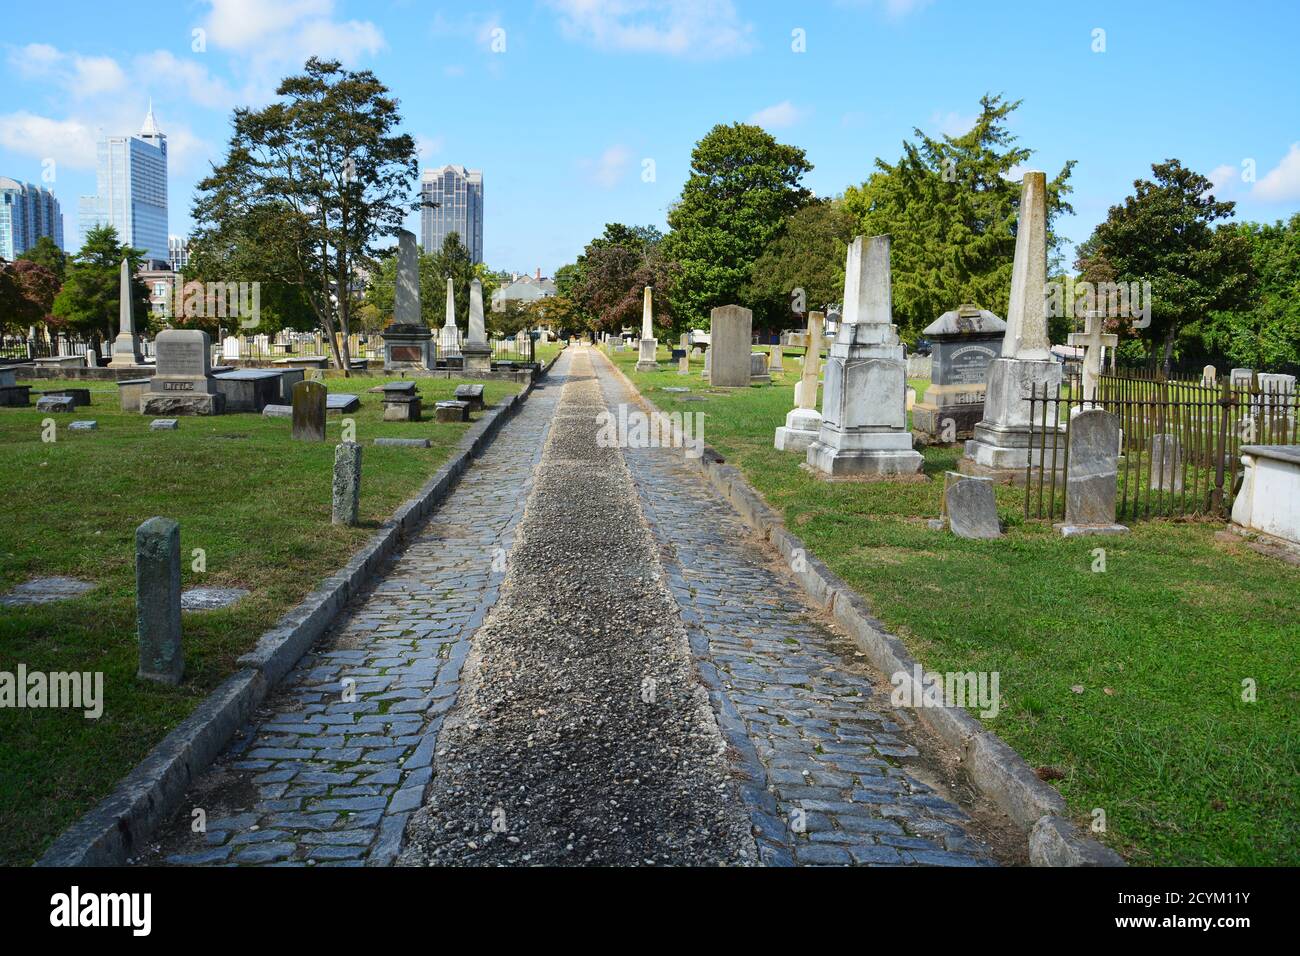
point(126, 347)
point(864, 429)
point(803, 424)
point(1006, 441)
point(649, 344)
point(477, 351)
point(449, 337)
point(408, 342)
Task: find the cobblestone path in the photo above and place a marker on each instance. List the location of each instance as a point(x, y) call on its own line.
point(815, 741)
point(321, 779)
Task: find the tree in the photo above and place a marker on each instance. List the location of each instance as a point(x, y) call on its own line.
point(1266, 333)
point(742, 188)
point(951, 208)
point(46, 252)
point(1165, 234)
point(326, 160)
point(808, 256)
point(36, 288)
point(89, 299)
point(605, 288)
point(452, 261)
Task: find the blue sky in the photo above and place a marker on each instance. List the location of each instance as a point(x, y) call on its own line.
point(563, 102)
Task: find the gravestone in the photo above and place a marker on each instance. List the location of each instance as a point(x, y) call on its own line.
point(449, 337)
point(758, 373)
point(347, 483)
point(309, 411)
point(472, 394)
point(684, 363)
point(164, 425)
point(83, 426)
point(126, 347)
point(1240, 379)
point(79, 396)
point(92, 357)
point(130, 393)
point(249, 389)
point(971, 507)
point(402, 402)
point(403, 442)
point(182, 383)
point(408, 342)
point(804, 422)
point(56, 403)
point(45, 591)
point(775, 364)
point(1209, 376)
point(1166, 463)
point(452, 411)
point(278, 411)
point(649, 345)
point(477, 352)
point(1006, 441)
point(965, 341)
point(732, 331)
point(1094, 343)
point(341, 403)
point(231, 349)
point(1092, 479)
point(211, 599)
point(864, 420)
point(707, 373)
point(158, 600)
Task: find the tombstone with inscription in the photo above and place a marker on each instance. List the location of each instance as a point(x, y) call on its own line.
point(408, 342)
point(966, 340)
point(648, 345)
point(728, 361)
point(449, 336)
point(1093, 476)
point(804, 422)
point(309, 411)
point(183, 383)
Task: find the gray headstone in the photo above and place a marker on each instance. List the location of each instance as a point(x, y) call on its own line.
point(83, 426)
point(732, 330)
point(347, 483)
point(1166, 463)
point(277, 411)
point(56, 403)
point(211, 599)
point(164, 424)
point(972, 508)
point(403, 442)
point(158, 599)
point(309, 411)
point(1091, 481)
point(45, 591)
point(406, 293)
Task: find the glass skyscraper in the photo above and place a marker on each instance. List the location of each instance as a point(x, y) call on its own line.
point(459, 194)
point(132, 190)
point(27, 212)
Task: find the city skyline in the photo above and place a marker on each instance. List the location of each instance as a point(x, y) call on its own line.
point(27, 213)
point(635, 75)
point(453, 202)
point(131, 190)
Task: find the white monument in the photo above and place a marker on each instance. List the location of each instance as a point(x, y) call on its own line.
point(864, 423)
point(449, 337)
point(126, 347)
point(478, 353)
point(804, 422)
point(649, 345)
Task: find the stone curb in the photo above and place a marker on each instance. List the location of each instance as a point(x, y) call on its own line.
point(993, 767)
point(124, 821)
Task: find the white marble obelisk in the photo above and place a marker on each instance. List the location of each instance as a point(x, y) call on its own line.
point(478, 353)
point(864, 429)
point(126, 347)
point(649, 344)
point(449, 337)
point(1005, 442)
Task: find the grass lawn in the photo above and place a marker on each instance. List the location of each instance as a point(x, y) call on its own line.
point(258, 504)
point(1160, 642)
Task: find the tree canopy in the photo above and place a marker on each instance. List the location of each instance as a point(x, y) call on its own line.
point(88, 302)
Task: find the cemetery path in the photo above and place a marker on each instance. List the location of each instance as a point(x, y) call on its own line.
point(582, 734)
point(831, 772)
point(324, 780)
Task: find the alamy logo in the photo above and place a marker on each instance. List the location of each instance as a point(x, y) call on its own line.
point(75, 909)
point(1112, 300)
point(218, 300)
point(954, 689)
point(636, 429)
point(75, 690)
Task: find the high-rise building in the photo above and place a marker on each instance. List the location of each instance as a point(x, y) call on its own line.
point(27, 212)
point(132, 190)
point(178, 253)
point(459, 194)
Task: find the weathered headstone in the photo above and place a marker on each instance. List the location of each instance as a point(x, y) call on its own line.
point(649, 345)
point(449, 337)
point(684, 363)
point(158, 600)
point(758, 368)
point(803, 422)
point(403, 442)
point(347, 483)
point(164, 425)
point(1209, 376)
point(83, 426)
point(728, 358)
point(451, 411)
point(1093, 342)
point(183, 383)
point(776, 362)
point(1006, 441)
point(402, 402)
point(408, 342)
point(309, 411)
point(472, 393)
point(1092, 478)
point(966, 340)
point(971, 507)
point(864, 420)
point(56, 403)
point(1166, 463)
point(477, 352)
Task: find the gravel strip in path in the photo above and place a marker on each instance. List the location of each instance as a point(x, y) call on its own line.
point(582, 734)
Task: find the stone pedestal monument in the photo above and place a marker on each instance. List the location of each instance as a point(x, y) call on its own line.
point(449, 337)
point(966, 340)
point(183, 383)
point(126, 347)
point(408, 343)
point(864, 422)
point(804, 422)
point(1005, 440)
point(649, 346)
point(477, 351)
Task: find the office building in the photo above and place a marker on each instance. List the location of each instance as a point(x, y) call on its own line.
point(27, 212)
point(132, 190)
point(458, 193)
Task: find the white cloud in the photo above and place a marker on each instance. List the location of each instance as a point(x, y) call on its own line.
point(609, 168)
point(1282, 182)
point(79, 75)
point(778, 116)
point(273, 35)
point(1224, 178)
point(244, 24)
point(894, 9)
point(162, 70)
point(68, 142)
point(953, 124)
point(700, 29)
point(427, 147)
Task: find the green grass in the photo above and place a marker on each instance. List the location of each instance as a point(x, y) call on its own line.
point(258, 504)
point(1160, 739)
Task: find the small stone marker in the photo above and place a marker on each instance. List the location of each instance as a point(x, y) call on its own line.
point(164, 425)
point(309, 411)
point(451, 411)
point(158, 600)
point(403, 442)
point(45, 591)
point(1166, 463)
point(277, 411)
point(971, 507)
point(776, 363)
point(1209, 376)
point(83, 426)
point(1092, 479)
point(211, 599)
point(684, 363)
point(472, 394)
point(56, 403)
point(758, 373)
point(342, 402)
point(347, 483)
point(79, 396)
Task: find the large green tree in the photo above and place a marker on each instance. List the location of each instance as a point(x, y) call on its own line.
point(46, 252)
point(1165, 233)
point(950, 206)
point(88, 301)
point(453, 262)
point(605, 288)
point(807, 258)
point(1266, 333)
point(742, 188)
point(327, 158)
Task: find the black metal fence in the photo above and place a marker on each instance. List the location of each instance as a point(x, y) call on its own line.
point(1180, 441)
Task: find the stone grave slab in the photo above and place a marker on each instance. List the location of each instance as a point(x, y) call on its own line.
point(211, 599)
point(45, 591)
